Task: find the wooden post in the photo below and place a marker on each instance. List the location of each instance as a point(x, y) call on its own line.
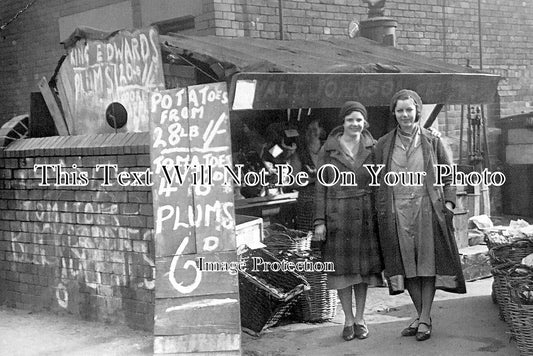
point(51, 101)
point(196, 311)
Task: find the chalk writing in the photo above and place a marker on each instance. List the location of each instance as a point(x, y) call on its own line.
point(275, 91)
point(86, 248)
point(170, 128)
point(215, 144)
point(188, 264)
point(191, 135)
point(123, 69)
point(205, 303)
point(192, 221)
point(62, 295)
point(217, 215)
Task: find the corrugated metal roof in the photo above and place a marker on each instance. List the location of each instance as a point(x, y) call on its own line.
point(358, 55)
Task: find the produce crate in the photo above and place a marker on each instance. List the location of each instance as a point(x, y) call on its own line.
point(248, 230)
point(266, 296)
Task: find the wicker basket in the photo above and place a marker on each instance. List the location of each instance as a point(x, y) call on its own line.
point(513, 252)
point(305, 209)
point(318, 304)
point(522, 321)
point(266, 295)
point(521, 309)
point(500, 289)
point(520, 284)
point(278, 238)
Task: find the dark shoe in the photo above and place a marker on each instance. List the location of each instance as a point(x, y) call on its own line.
point(423, 335)
point(348, 333)
point(361, 331)
point(410, 330)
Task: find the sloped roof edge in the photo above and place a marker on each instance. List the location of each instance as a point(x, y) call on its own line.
point(358, 55)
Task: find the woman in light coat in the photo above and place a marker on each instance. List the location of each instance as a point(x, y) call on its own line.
point(415, 222)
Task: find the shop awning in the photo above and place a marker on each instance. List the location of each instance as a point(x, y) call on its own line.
point(272, 74)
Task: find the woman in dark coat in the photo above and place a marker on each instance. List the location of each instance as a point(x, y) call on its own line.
point(415, 221)
point(345, 216)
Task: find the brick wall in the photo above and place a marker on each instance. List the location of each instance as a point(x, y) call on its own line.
point(424, 26)
point(84, 250)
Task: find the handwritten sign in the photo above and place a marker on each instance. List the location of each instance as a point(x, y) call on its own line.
point(281, 91)
point(122, 69)
point(212, 147)
point(194, 221)
point(169, 147)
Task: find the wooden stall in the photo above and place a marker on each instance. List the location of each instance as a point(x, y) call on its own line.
point(197, 96)
point(274, 81)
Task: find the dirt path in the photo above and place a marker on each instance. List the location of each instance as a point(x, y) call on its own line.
point(26, 334)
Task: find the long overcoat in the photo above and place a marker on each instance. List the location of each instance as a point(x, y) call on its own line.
point(348, 210)
point(449, 274)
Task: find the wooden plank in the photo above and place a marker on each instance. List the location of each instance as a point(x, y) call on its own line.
point(193, 315)
point(304, 90)
point(169, 147)
point(211, 148)
point(517, 197)
point(515, 121)
point(519, 136)
point(433, 116)
point(55, 111)
point(197, 343)
point(41, 123)
point(196, 307)
point(181, 275)
point(65, 92)
point(123, 68)
point(519, 154)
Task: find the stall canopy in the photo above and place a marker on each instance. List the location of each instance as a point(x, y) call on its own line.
point(271, 74)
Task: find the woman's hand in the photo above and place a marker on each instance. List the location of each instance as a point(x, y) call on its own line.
point(449, 205)
point(434, 132)
point(320, 233)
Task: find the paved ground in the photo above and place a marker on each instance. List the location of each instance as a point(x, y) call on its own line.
point(463, 325)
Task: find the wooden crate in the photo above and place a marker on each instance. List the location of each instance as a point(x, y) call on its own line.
point(248, 230)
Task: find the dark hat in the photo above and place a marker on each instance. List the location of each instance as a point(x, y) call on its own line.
point(403, 95)
point(351, 106)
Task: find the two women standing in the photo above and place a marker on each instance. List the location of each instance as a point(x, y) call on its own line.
point(416, 240)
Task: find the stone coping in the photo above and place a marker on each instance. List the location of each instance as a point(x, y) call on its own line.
point(97, 144)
